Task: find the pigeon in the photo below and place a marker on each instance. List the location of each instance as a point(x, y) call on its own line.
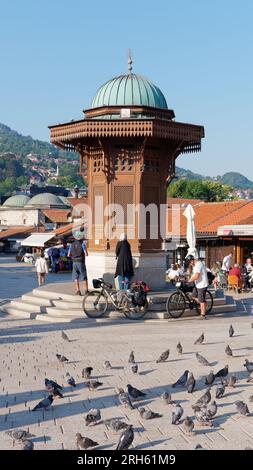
point(182, 380)
point(224, 381)
point(27, 444)
point(93, 384)
point(251, 325)
point(124, 398)
point(202, 359)
point(134, 393)
point(56, 392)
point(203, 400)
point(242, 408)
point(200, 339)
point(250, 378)
point(19, 434)
point(228, 351)
point(222, 372)
point(248, 365)
point(92, 417)
point(148, 414)
point(199, 447)
point(44, 404)
point(166, 397)
point(177, 414)
point(190, 384)
point(251, 398)
point(64, 336)
point(164, 356)
point(131, 358)
point(107, 365)
point(188, 425)
point(126, 438)
point(134, 368)
point(86, 373)
point(202, 416)
point(220, 390)
point(61, 358)
point(71, 381)
point(209, 378)
point(50, 384)
point(84, 442)
point(179, 348)
point(115, 424)
point(232, 381)
point(231, 331)
point(212, 410)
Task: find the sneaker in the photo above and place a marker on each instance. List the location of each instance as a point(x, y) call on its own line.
point(203, 317)
point(78, 292)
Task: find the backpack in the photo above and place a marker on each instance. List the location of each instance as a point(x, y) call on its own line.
point(210, 277)
point(139, 293)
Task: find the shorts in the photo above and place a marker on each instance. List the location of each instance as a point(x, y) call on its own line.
point(199, 294)
point(79, 271)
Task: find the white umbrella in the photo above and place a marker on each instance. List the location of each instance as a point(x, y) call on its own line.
point(189, 213)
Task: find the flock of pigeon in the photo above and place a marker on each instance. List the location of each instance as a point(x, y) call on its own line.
point(205, 409)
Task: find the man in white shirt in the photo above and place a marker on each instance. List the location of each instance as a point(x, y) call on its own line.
point(200, 279)
point(227, 262)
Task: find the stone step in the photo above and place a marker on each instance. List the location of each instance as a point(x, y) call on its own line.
point(74, 312)
point(20, 313)
point(27, 307)
point(32, 299)
point(64, 304)
point(55, 319)
point(55, 295)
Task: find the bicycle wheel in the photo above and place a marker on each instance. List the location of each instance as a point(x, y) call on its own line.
point(176, 304)
point(209, 303)
point(95, 304)
point(136, 313)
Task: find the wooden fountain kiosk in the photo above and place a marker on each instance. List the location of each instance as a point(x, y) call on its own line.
point(128, 143)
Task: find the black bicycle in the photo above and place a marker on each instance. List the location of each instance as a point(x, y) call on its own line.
point(181, 299)
point(133, 302)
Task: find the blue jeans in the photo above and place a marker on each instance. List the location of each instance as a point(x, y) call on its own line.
point(124, 281)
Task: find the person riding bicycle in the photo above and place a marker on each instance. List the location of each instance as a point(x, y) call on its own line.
point(200, 278)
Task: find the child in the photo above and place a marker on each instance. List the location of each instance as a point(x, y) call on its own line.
point(42, 268)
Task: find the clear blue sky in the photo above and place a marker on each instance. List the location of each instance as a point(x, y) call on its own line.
point(55, 54)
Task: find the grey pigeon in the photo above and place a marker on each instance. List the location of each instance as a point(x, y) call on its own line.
point(19, 434)
point(224, 381)
point(228, 351)
point(50, 384)
point(71, 381)
point(190, 384)
point(209, 378)
point(107, 365)
point(188, 425)
point(44, 404)
point(86, 372)
point(134, 368)
point(177, 414)
point(199, 447)
point(92, 417)
point(148, 414)
point(232, 381)
point(124, 398)
point(202, 360)
point(134, 393)
point(222, 372)
point(248, 365)
point(116, 425)
point(126, 439)
point(242, 408)
point(61, 358)
point(93, 384)
point(220, 390)
point(56, 392)
point(27, 444)
point(251, 325)
point(179, 348)
point(166, 397)
point(131, 358)
point(200, 339)
point(182, 380)
point(202, 416)
point(64, 336)
point(212, 409)
point(203, 400)
point(231, 331)
point(164, 356)
point(84, 442)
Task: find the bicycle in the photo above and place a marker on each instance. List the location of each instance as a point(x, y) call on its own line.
point(179, 300)
point(95, 303)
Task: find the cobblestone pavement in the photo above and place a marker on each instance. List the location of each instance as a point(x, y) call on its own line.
point(27, 356)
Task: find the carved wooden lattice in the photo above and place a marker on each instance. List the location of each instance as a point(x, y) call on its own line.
point(124, 160)
point(151, 161)
point(96, 155)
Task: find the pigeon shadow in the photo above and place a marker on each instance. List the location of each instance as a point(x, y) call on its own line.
point(41, 439)
point(231, 394)
point(217, 342)
point(104, 446)
point(151, 443)
point(145, 372)
point(177, 360)
point(221, 419)
point(117, 367)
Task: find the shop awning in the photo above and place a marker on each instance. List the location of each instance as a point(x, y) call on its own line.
point(235, 230)
point(38, 239)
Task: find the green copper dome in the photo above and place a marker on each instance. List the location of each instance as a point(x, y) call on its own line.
point(127, 90)
point(19, 200)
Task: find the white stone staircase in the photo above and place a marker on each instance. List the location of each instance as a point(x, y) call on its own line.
point(50, 306)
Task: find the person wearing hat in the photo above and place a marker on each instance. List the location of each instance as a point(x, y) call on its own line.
point(200, 279)
point(78, 252)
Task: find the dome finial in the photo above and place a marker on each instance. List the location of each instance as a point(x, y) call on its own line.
point(129, 61)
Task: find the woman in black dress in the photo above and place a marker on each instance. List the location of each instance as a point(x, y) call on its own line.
point(124, 269)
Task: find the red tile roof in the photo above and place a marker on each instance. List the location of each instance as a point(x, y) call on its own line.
point(80, 200)
point(57, 215)
point(15, 231)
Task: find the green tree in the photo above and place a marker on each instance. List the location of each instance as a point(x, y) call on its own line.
point(207, 190)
